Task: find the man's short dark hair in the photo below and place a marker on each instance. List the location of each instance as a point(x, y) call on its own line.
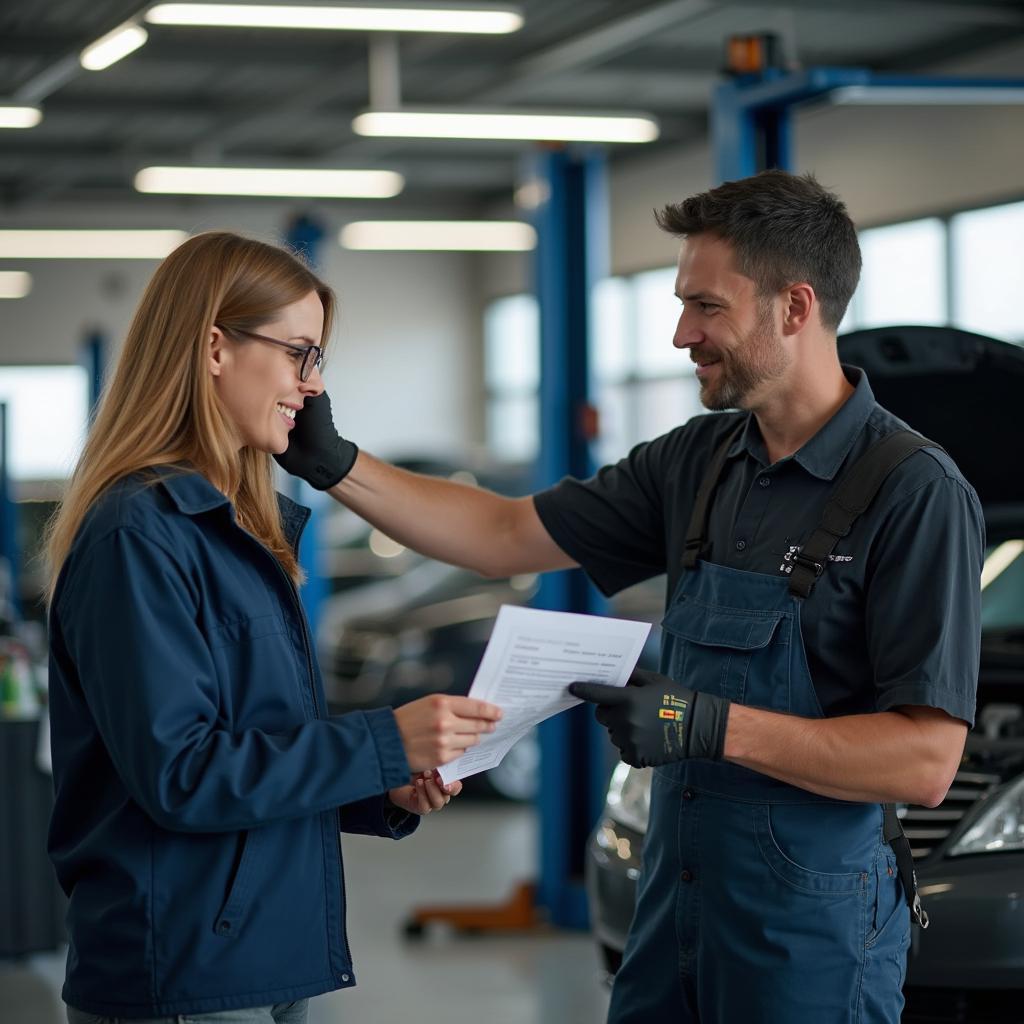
point(783, 228)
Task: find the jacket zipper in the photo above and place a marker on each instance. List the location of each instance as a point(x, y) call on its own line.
point(316, 708)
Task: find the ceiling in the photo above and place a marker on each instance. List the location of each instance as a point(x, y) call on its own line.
point(286, 98)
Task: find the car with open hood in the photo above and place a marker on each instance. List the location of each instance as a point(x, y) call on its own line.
point(961, 390)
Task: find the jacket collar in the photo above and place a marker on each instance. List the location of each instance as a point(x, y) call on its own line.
point(824, 453)
point(192, 495)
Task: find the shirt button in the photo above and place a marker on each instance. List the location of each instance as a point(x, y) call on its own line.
point(344, 977)
point(687, 794)
point(765, 481)
point(741, 545)
point(687, 875)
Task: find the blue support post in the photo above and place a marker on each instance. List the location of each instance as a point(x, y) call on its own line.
point(304, 235)
point(93, 357)
point(571, 256)
point(751, 115)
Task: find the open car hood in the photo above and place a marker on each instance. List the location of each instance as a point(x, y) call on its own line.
point(964, 391)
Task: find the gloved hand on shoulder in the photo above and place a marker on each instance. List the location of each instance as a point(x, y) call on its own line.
point(654, 720)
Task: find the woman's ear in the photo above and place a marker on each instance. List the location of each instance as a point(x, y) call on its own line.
point(217, 351)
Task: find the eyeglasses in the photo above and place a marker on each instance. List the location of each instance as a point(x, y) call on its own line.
point(312, 355)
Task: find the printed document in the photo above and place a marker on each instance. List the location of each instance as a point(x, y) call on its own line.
point(530, 660)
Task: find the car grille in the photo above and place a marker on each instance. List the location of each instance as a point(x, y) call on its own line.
point(962, 1006)
point(926, 827)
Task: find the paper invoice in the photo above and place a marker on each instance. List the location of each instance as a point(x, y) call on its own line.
point(531, 658)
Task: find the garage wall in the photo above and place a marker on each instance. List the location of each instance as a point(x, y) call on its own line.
point(405, 368)
point(888, 163)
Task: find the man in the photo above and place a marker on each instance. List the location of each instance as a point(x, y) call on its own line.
point(818, 662)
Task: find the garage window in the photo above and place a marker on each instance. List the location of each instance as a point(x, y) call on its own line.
point(47, 415)
point(988, 271)
point(964, 270)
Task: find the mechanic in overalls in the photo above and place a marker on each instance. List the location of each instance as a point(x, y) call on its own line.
point(822, 636)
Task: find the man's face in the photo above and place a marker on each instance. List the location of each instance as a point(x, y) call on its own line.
point(730, 331)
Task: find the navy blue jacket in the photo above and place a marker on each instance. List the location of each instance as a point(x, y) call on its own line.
point(200, 784)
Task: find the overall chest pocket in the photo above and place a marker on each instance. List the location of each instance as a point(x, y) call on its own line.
point(740, 654)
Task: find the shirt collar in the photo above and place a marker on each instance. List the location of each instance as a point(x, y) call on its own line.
point(824, 453)
point(193, 494)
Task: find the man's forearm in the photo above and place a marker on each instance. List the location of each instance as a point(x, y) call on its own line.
point(450, 521)
point(892, 756)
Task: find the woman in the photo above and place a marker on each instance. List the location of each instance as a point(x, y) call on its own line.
point(200, 783)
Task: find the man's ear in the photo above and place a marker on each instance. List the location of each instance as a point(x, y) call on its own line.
point(217, 352)
point(799, 301)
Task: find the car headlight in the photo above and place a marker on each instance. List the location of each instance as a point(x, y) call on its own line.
point(999, 827)
point(629, 797)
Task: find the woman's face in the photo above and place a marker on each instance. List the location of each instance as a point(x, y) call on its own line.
point(258, 383)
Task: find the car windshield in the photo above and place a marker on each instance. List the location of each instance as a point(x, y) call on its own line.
point(1002, 588)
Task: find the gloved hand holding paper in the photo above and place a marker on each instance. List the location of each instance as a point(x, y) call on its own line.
point(530, 660)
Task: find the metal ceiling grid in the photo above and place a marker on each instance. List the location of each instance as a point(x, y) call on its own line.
point(288, 97)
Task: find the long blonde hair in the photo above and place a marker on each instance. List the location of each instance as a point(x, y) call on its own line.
point(160, 407)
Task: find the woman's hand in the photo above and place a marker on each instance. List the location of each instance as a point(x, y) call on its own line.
point(424, 794)
point(441, 727)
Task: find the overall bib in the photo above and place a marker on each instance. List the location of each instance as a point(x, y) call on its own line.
point(758, 901)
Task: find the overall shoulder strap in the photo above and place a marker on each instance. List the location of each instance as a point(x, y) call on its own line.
point(850, 498)
point(697, 531)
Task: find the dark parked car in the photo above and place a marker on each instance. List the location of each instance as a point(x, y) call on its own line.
point(963, 391)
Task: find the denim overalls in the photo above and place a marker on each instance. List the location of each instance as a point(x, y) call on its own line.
point(758, 901)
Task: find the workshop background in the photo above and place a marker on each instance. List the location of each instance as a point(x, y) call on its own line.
point(528, 340)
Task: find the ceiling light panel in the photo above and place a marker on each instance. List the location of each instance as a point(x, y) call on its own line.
point(270, 181)
point(12, 116)
point(482, 19)
point(438, 236)
point(424, 124)
point(112, 47)
point(74, 244)
point(15, 284)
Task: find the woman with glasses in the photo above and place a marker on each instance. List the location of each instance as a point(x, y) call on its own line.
point(200, 783)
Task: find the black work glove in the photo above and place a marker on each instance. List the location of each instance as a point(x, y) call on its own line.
point(653, 720)
point(316, 451)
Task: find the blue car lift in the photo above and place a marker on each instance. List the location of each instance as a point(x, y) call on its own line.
point(571, 257)
point(752, 113)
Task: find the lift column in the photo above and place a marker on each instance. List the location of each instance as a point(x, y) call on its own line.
point(572, 254)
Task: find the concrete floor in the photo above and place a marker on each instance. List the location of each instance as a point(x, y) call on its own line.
point(472, 853)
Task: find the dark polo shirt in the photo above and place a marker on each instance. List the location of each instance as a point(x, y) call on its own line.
point(894, 620)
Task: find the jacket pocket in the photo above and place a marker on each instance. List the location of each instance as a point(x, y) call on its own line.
point(231, 916)
point(245, 629)
point(711, 649)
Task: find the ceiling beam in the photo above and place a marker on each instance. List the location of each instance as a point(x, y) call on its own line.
point(973, 12)
point(62, 69)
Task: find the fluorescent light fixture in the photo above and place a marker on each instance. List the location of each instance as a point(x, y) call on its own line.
point(269, 181)
point(927, 95)
point(75, 244)
point(109, 49)
point(439, 235)
point(477, 19)
point(12, 116)
point(1000, 560)
point(15, 284)
point(425, 124)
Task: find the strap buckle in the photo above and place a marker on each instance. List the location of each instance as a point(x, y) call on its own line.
point(919, 913)
point(808, 563)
